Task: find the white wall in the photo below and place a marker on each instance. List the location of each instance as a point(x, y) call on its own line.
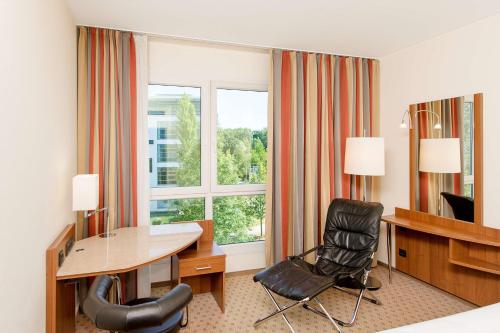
point(37, 149)
point(461, 62)
point(198, 63)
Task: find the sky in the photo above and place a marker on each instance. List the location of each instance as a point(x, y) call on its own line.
point(241, 109)
point(235, 108)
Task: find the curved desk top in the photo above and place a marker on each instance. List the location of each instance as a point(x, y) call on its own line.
point(130, 249)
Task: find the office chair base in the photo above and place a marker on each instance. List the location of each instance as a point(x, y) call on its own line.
point(281, 311)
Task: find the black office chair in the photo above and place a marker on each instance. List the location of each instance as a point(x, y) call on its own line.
point(463, 207)
point(344, 260)
point(143, 315)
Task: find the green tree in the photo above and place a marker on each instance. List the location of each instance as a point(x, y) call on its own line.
point(259, 162)
point(257, 208)
point(232, 222)
point(188, 132)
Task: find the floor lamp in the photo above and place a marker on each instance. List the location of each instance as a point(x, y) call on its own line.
point(440, 156)
point(364, 156)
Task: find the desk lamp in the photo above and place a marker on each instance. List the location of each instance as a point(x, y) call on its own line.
point(86, 198)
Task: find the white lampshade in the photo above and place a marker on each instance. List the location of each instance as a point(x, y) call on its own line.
point(364, 156)
point(85, 192)
point(440, 155)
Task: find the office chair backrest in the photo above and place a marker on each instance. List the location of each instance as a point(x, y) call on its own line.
point(124, 318)
point(463, 207)
point(351, 234)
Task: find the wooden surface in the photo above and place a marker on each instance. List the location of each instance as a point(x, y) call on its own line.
point(130, 249)
point(478, 158)
point(445, 227)
point(202, 268)
point(60, 296)
point(458, 257)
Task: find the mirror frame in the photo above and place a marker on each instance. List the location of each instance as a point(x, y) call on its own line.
point(478, 160)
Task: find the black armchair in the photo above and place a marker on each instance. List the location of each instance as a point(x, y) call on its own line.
point(344, 260)
point(143, 315)
point(463, 207)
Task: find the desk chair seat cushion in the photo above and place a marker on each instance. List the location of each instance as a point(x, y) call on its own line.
point(154, 314)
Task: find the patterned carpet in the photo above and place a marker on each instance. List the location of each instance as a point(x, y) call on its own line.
point(405, 300)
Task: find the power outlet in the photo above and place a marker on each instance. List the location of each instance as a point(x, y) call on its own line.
point(60, 258)
point(402, 253)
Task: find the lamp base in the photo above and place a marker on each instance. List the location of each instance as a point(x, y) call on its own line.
point(107, 235)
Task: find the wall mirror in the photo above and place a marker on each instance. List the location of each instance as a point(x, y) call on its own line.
point(446, 157)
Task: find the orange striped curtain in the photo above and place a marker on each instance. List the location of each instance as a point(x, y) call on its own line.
point(316, 102)
point(107, 128)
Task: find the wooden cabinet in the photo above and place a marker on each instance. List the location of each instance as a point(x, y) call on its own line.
point(459, 258)
point(202, 266)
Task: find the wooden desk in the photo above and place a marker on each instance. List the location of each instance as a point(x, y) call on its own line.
point(455, 256)
point(130, 249)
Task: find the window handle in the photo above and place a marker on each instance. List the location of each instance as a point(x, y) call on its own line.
point(203, 268)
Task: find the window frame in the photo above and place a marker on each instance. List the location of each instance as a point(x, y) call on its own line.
point(208, 188)
point(158, 193)
point(215, 187)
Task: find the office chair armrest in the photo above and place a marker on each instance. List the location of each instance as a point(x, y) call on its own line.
point(175, 300)
point(302, 255)
point(139, 316)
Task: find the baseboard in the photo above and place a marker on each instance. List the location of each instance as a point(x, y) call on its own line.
point(161, 284)
point(245, 272)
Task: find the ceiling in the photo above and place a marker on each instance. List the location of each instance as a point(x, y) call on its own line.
point(368, 28)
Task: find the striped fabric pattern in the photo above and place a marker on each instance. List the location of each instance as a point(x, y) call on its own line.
point(107, 127)
point(316, 102)
point(451, 112)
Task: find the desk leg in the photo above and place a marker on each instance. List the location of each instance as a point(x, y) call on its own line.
point(389, 250)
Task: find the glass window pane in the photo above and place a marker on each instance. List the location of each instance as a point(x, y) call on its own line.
point(241, 137)
point(175, 210)
point(239, 219)
point(468, 138)
point(174, 136)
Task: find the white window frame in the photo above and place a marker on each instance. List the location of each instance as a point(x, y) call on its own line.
point(208, 123)
point(159, 193)
point(234, 189)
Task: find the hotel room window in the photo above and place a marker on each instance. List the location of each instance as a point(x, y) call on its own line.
point(174, 120)
point(233, 143)
point(241, 165)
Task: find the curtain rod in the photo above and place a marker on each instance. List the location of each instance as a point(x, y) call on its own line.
point(218, 42)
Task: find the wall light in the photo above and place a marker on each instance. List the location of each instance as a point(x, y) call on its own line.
point(407, 115)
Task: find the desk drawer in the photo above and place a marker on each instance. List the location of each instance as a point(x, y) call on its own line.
point(202, 266)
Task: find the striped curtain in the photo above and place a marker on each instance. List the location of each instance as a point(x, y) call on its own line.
point(316, 102)
point(427, 184)
point(107, 128)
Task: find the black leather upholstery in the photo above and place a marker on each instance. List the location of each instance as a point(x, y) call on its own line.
point(351, 235)
point(463, 207)
point(350, 239)
point(151, 315)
